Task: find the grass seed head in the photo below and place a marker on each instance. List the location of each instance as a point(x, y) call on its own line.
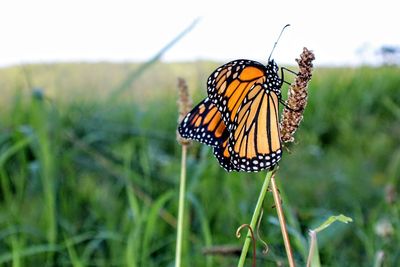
point(185, 105)
point(297, 97)
point(390, 194)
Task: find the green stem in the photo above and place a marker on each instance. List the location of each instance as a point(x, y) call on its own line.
point(254, 219)
point(313, 256)
point(182, 187)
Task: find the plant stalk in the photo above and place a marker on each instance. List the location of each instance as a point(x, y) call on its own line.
point(256, 215)
point(282, 222)
point(313, 256)
point(181, 209)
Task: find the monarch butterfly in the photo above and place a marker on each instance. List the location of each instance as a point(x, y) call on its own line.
point(240, 116)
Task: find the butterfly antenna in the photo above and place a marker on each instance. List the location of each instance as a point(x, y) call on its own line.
point(273, 48)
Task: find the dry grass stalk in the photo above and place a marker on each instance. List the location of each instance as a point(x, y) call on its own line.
point(282, 222)
point(185, 105)
point(297, 97)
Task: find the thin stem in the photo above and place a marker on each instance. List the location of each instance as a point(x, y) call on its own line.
point(182, 186)
point(253, 222)
point(282, 222)
point(313, 256)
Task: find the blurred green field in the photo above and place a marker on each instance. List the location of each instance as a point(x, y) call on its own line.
point(90, 178)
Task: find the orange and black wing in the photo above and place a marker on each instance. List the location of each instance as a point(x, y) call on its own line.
point(228, 85)
point(247, 94)
point(204, 124)
point(254, 142)
point(223, 156)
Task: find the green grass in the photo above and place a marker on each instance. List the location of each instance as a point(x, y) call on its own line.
point(85, 181)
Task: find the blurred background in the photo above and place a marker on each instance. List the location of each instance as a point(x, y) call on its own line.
point(89, 163)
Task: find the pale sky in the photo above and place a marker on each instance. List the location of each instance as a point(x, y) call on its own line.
point(120, 30)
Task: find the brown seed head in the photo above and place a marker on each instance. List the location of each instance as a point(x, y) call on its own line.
point(297, 97)
point(390, 194)
point(185, 105)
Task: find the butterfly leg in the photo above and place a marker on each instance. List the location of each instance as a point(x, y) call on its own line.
point(288, 70)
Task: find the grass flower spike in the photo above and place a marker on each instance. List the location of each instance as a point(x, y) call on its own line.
point(297, 97)
point(185, 105)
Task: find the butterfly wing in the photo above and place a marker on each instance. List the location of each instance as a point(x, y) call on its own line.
point(204, 124)
point(247, 94)
point(223, 156)
point(254, 142)
point(228, 85)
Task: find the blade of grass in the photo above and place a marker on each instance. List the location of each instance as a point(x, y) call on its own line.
point(114, 170)
point(152, 223)
point(30, 251)
point(7, 154)
point(16, 249)
point(133, 245)
point(75, 261)
point(42, 119)
point(313, 256)
point(137, 73)
point(205, 228)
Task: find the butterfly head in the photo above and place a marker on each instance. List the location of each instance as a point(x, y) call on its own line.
point(272, 67)
point(273, 80)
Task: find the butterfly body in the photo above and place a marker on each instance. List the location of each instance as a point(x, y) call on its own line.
point(243, 99)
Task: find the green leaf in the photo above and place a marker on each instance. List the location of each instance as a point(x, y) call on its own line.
point(332, 219)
